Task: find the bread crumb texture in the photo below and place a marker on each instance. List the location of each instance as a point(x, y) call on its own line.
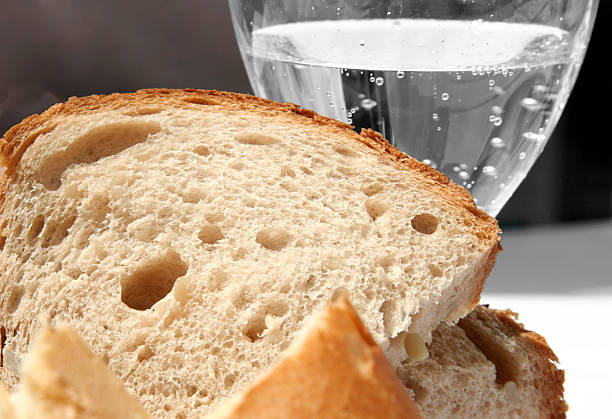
point(186, 235)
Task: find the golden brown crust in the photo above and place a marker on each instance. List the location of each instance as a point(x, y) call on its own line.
point(20, 137)
point(335, 371)
point(479, 325)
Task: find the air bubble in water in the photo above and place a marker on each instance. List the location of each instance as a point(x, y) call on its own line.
point(489, 170)
point(435, 117)
point(532, 136)
point(531, 104)
point(522, 155)
point(361, 96)
point(497, 110)
point(372, 79)
point(498, 90)
point(458, 76)
point(491, 118)
point(445, 96)
point(431, 163)
point(439, 129)
point(362, 43)
point(367, 104)
point(463, 166)
point(400, 74)
point(497, 142)
point(498, 121)
point(491, 82)
point(380, 81)
point(463, 175)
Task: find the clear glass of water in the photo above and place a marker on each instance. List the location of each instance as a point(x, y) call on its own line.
point(472, 87)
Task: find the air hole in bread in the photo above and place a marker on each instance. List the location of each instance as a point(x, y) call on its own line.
point(425, 223)
point(307, 283)
point(255, 138)
point(375, 208)
point(435, 271)
point(372, 189)
point(273, 238)
point(287, 171)
point(194, 194)
point(99, 142)
point(200, 100)
point(255, 328)
point(2, 242)
point(289, 187)
point(144, 353)
point(387, 262)
point(210, 234)
point(345, 151)
point(151, 283)
point(14, 298)
point(36, 227)
point(508, 366)
point(306, 170)
point(143, 111)
point(191, 390)
point(202, 150)
point(388, 308)
point(229, 381)
point(56, 231)
point(346, 171)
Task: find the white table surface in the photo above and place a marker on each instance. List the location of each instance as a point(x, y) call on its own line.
point(559, 280)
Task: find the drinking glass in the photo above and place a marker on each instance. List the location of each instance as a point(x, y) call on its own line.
point(472, 87)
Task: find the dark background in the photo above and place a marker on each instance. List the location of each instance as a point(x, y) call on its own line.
point(51, 50)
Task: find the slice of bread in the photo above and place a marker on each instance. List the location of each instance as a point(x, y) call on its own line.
point(186, 235)
point(62, 378)
point(334, 369)
point(487, 366)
